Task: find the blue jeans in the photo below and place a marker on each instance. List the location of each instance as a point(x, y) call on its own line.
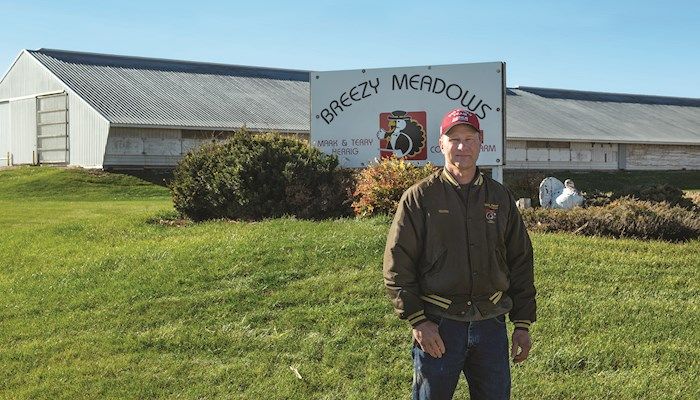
point(477, 349)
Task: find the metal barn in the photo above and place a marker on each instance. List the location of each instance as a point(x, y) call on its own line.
point(106, 111)
point(569, 129)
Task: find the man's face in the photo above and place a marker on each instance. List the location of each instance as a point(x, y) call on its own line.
point(461, 146)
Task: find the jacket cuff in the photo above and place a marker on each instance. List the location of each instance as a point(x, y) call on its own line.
point(416, 318)
point(522, 324)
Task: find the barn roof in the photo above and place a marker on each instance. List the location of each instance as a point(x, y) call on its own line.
point(169, 93)
point(136, 91)
point(579, 116)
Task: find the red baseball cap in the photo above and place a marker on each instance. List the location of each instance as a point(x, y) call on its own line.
point(456, 117)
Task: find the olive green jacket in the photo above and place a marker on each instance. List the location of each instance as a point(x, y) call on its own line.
point(447, 255)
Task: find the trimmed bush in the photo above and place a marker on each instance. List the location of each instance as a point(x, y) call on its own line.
point(626, 217)
point(379, 186)
point(694, 197)
point(653, 193)
point(657, 194)
point(250, 177)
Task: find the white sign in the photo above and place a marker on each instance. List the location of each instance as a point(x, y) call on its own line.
point(364, 115)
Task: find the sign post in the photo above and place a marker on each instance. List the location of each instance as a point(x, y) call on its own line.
point(365, 115)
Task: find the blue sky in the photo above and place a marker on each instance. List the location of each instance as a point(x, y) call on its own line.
point(646, 47)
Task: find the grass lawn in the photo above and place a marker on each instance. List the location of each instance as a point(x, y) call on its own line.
point(96, 302)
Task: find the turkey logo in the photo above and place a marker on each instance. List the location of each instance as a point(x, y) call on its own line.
point(402, 134)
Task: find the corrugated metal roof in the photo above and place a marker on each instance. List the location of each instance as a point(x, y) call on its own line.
point(135, 91)
point(610, 97)
point(569, 115)
point(155, 92)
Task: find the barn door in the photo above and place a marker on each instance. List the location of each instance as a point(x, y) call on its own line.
point(52, 129)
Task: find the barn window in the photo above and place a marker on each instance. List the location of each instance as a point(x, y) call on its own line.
point(559, 145)
point(531, 144)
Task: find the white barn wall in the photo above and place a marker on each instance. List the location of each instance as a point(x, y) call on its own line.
point(522, 154)
point(147, 147)
point(27, 77)
point(661, 157)
point(88, 133)
point(87, 129)
point(155, 147)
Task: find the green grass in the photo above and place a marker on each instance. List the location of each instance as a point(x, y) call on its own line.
point(32, 183)
point(98, 303)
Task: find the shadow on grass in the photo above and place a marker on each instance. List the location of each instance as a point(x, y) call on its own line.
point(156, 176)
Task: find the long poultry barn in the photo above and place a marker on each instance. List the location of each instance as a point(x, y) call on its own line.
point(107, 111)
point(569, 129)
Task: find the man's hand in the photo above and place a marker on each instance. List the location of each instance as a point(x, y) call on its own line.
point(428, 337)
point(521, 341)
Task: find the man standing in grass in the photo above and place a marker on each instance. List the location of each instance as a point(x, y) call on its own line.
point(457, 259)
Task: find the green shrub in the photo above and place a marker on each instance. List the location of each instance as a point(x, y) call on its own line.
point(624, 217)
point(379, 186)
point(314, 198)
point(653, 193)
point(250, 177)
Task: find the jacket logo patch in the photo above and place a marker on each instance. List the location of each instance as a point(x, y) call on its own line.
point(491, 214)
point(444, 211)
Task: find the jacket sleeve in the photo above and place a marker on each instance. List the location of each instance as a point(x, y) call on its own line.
point(520, 262)
point(403, 250)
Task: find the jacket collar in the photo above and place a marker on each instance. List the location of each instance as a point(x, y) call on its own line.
point(478, 179)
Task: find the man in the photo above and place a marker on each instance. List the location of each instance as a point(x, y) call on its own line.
point(457, 259)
